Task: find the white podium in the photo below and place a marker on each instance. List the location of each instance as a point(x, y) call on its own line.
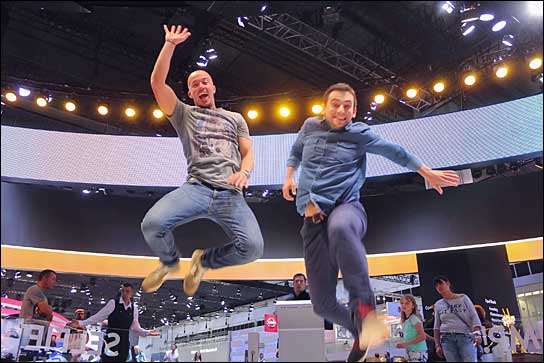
point(301, 332)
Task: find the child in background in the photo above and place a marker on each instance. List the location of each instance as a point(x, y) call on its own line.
point(412, 327)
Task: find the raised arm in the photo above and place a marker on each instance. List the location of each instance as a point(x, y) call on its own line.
point(165, 96)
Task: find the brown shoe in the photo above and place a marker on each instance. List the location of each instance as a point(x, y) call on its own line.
point(156, 278)
point(194, 276)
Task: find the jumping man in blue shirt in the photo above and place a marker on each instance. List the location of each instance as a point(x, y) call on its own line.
point(332, 152)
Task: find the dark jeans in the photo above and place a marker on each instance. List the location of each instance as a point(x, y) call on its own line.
point(329, 246)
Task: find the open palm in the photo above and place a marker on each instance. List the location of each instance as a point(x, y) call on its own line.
point(175, 34)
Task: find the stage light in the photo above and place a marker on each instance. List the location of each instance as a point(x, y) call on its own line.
point(252, 114)
point(508, 40)
point(470, 79)
point(103, 110)
point(317, 109)
point(202, 61)
point(487, 17)
point(11, 96)
point(41, 101)
point(379, 98)
point(411, 93)
point(501, 71)
point(70, 106)
point(438, 87)
point(24, 92)
point(157, 113)
point(469, 30)
point(535, 7)
point(448, 7)
point(242, 20)
point(86, 191)
point(285, 111)
point(130, 112)
point(73, 290)
point(535, 63)
point(499, 26)
point(29, 274)
point(373, 106)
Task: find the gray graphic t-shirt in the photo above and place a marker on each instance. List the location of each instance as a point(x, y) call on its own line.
point(446, 320)
point(210, 142)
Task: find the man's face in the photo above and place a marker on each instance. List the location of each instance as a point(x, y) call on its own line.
point(299, 284)
point(201, 89)
point(50, 281)
point(126, 292)
point(340, 109)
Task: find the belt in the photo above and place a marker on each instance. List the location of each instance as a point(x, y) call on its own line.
point(207, 185)
point(447, 333)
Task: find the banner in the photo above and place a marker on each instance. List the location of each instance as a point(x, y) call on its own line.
point(270, 323)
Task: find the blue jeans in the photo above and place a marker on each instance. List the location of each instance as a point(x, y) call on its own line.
point(458, 348)
point(193, 201)
point(332, 245)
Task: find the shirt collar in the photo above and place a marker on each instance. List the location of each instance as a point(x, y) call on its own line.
point(121, 301)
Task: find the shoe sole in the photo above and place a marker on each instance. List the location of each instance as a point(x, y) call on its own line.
point(155, 287)
point(373, 330)
point(193, 271)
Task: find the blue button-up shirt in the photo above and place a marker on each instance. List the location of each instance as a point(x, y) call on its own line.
point(334, 162)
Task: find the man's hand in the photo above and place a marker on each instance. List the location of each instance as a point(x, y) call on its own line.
point(176, 35)
point(439, 352)
point(289, 189)
point(238, 179)
point(439, 178)
point(154, 333)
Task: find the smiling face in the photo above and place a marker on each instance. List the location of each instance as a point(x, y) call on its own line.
point(201, 89)
point(407, 306)
point(340, 108)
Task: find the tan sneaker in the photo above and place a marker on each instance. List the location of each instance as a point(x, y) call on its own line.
point(196, 271)
point(155, 279)
point(373, 331)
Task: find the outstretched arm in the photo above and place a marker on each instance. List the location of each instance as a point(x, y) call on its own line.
point(165, 96)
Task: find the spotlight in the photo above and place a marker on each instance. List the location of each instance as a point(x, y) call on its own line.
point(70, 106)
point(508, 40)
point(130, 112)
point(487, 17)
point(411, 93)
point(379, 99)
point(535, 7)
point(470, 79)
point(252, 114)
point(210, 52)
point(41, 101)
point(285, 111)
point(202, 61)
point(29, 274)
point(17, 275)
point(438, 87)
point(86, 191)
point(499, 26)
point(242, 20)
point(73, 290)
point(103, 110)
point(24, 92)
point(11, 96)
point(448, 7)
point(157, 113)
point(535, 63)
point(222, 302)
point(501, 71)
point(3, 272)
point(373, 106)
point(263, 8)
point(469, 30)
point(317, 109)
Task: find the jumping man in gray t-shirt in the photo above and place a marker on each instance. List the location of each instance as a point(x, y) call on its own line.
point(219, 153)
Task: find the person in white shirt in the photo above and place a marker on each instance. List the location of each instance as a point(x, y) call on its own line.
point(122, 316)
point(172, 354)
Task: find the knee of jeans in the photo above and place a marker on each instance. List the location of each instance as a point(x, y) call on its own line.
point(151, 225)
point(252, 247)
